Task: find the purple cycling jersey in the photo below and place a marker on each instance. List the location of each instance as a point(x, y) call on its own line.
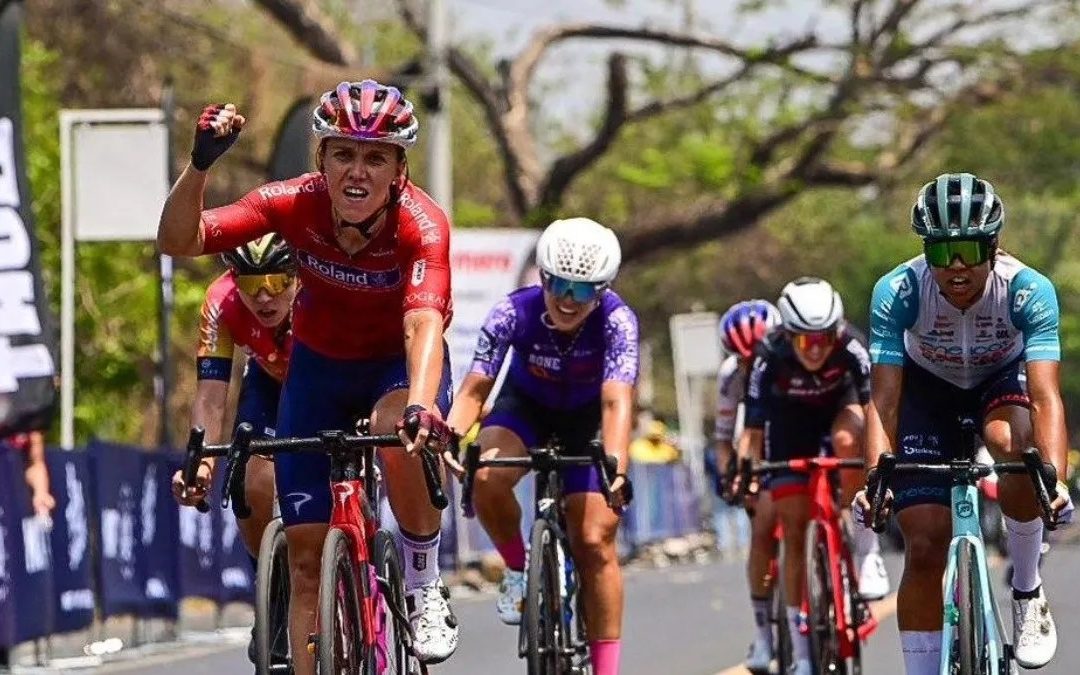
point(562, 371)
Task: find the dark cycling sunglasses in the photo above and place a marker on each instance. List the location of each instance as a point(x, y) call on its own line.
point(807, 341)
point(971, 252)
point(579, 291)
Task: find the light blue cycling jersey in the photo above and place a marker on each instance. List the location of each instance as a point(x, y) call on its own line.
point(1017, 314)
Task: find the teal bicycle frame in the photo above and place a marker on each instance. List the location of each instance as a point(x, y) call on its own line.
point(966, 528)
point(992, 653)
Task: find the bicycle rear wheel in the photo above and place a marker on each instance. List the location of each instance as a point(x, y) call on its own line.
point(970, 642)
point(784, 659)
point(272, 602)
point(543, 603)
point(340, 634)
point(393, 637)
point(824, 639)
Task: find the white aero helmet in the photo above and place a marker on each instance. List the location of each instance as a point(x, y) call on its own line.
point(579, 249)
point(809, 305)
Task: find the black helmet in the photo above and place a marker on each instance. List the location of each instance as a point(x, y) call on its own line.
point(269, 254)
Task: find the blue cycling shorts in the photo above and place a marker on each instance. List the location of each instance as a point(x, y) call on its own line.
point(258, 404)
point(322, 393)
point(928, 428)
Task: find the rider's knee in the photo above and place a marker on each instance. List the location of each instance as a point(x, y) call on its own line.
point(846, 442)
point(924, 553)
point(593, 548)
point(1001, 438)
point(491, 482)
point(304, 563)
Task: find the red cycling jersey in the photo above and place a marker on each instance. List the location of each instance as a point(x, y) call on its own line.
point(348, 307)
point(225, 323)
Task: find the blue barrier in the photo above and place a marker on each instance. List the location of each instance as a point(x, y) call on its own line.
point(115, 515)
point(73, 586)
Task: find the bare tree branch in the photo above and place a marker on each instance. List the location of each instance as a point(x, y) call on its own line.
point(311, 29)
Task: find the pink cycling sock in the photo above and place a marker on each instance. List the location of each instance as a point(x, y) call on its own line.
point(513, 553)
point(605, 656)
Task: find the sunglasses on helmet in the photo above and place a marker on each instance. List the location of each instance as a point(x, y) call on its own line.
point(807, 341)
point(274, 284)
point(971, 252)
point(579, 291)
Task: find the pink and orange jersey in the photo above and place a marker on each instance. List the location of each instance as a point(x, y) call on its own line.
point(348, 307)
point(226, 323)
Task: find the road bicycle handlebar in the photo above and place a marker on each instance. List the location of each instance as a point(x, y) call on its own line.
point(243, 445)
point(544, 458)
point(747, 468)
point(965, 471)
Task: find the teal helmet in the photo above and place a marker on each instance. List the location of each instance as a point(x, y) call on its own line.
point(957, 206)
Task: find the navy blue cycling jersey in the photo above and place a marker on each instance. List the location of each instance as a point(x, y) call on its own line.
point(778, 379)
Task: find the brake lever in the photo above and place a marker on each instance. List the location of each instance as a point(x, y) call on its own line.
point(1043, 478)
point(431, 477)
point(236, 477)
point(886, 463)
point(192, 457)
point(472, 462)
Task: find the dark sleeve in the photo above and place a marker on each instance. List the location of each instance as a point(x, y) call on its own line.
point(859, 365)
point(759, 392)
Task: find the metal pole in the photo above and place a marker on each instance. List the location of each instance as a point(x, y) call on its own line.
point(441, 180)
point(67, 288)
point(163, 379)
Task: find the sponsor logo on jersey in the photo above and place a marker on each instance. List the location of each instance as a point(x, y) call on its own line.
point(414, 208)
point(351, 277)
point(1022, 296)
point(281, 189)
point(419, 268)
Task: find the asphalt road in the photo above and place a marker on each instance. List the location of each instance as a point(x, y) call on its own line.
point(684, 620)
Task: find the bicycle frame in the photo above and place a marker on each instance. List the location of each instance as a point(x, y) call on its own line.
point(823, 510)
point(966, 527)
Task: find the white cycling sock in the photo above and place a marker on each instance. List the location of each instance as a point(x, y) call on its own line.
point(864, 541)
point(1025, 544)
point(421, 559)
point(762, 609)
point(800, 644)
point(922, 651)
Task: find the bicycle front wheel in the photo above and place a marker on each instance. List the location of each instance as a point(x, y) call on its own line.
point(824, 638)
point(340, 633)
point(272, 602)
point(970, 642)
point(392, 638)
point(543, 603)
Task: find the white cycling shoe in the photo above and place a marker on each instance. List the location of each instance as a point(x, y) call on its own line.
point(511, 597)
point(801, 667)
point(1034, 633)
point(432, 621)
point(873, 577)
point(759, 657)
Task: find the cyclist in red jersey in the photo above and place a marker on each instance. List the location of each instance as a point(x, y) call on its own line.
point(247, 307)
point(368, 322)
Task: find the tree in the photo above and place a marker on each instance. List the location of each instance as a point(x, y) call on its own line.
point(904, 66)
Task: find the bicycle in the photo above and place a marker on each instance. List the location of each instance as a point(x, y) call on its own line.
point(362, 624)
point(973, 634)
point(781, 635)
point(838, 619)
point(552, 635)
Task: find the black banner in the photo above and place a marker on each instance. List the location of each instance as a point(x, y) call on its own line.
point(293, 154)
point(27, 338)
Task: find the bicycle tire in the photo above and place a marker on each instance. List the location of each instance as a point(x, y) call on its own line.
point(388, 568)
point(543, 603)
point(340, 644)
point(784, 658)
point(854, 616)
point(821, 614)
point(970, 634)
point(272, 601)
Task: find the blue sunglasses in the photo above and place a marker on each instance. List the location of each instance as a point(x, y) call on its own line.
point(579, 291)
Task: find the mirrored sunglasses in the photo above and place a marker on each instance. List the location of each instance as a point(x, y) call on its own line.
point(579, 291)
point(971, 252)
point(807, 341)
point(274, 284)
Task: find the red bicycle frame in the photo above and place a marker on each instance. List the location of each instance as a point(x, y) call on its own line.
point(352, 514)
point(824, 512)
